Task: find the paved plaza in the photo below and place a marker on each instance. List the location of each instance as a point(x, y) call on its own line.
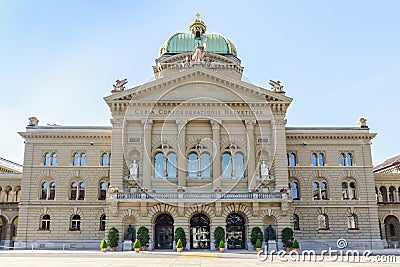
point(161, 258)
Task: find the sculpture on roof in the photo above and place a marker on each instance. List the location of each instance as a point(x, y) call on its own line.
point(198, 54)
point(362, 123)
point(33, 121)
point(276, 86)
point(120, 85)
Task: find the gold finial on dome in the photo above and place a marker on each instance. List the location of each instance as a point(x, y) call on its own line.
point(198, 27)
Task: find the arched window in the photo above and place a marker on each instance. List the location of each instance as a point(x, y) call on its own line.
point(292, 160)
point(226, 165)
point(193, 165)
point(54, 159)
point(105, 160)
point(74, 190)
point(392, 193)
point(9, 194)
point(314, 159)
point(352, 222)
point(199, 165)
point(296, 222)
point(76, 159)
point(103, 190)
point(17, 194)
point(320, 190)
point(383, 192)
point(346, 159)
point(52, 193)
point(165, 162)
point(102, 223)
point(233, 163)
point(342, 159)
point(349, 159)
point(45, 223)
point(323, 223)
point(83, 159)
point(75, 223)
point(349, 190)
point(45, 187)
point(321, 159)
point(82, 186)
point(47, 159)
point(294, 187)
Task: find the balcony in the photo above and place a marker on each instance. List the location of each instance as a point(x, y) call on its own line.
point(199, 196)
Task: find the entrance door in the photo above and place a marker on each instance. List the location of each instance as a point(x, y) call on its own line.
point(199, 232)
point(235, 232)
point(164, 231)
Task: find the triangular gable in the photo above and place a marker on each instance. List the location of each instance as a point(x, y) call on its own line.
point(204, 75)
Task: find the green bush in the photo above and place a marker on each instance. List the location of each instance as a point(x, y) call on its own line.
point(221, 244)
point(180, 234)
point(113, 237)
point(143, 235)
point(258, 243)
point(287, 237)
point(219, 234)
point(103, 244)
point(137, 244)
point(179, 244)
point(256, 233)
point(295, 244)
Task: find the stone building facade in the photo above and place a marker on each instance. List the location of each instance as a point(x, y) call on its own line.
point(197, 148)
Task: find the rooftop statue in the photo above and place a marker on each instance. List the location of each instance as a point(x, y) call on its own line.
point(33, 121)
point(120, 85)
point(276, 86)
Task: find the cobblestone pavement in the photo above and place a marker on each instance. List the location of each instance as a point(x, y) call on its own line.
point(159, 258)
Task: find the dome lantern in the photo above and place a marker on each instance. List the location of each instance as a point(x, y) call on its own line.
point(198, 27)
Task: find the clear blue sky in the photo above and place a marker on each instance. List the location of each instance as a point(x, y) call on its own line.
point(339, 60)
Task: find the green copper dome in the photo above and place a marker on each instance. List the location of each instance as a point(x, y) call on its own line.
point(186, 42)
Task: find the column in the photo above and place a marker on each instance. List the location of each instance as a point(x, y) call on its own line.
point(2, 196)
point(251, 164)
point(147, 157)
point(181, 152)
point(216, 167)
point(279, 166)
point(117, 166)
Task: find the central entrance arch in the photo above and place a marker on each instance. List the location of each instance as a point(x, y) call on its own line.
point(200, 232)
point(164, 231)
point(235, 231)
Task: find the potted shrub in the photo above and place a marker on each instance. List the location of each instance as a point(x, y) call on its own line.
point(143, 236)
point(221, 246)
point(137, 245)
point(287, 238)
point(113, 238)
point(219, 234)
point(295, 246)
point(180, 234)
point(103, 245)
point(258, 245)
point(179, 247)
point(256, 234)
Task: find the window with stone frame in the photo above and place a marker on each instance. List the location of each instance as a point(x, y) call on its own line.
point(79, 159)
point(103, 190)
point(349, 190)
point(45, 223)
point(199, 164)
point(323, 223)
point(291, 159)
point(75, 224)
point(320, 190)
point(102, 222)
point(50, 159)
point(77, 190)
point(383, 193)
point(165, 162)
point(232, 162)
point(352, 222)
point(48, 190)
point(105, 159)
point(346, 159)
point(296, 222)
point(317, 159)
point(294, 189)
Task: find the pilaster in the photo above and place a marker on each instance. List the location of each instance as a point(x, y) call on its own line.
point(147, 168)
